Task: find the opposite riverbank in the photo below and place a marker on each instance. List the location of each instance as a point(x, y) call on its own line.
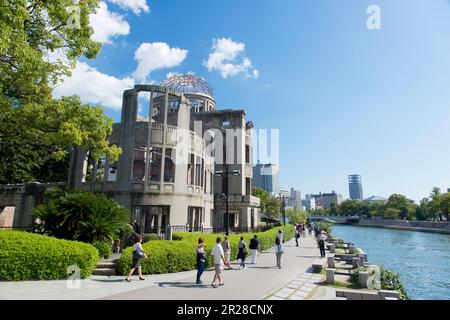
point(421, 226)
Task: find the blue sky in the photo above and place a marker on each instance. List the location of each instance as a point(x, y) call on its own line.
point(346, 99)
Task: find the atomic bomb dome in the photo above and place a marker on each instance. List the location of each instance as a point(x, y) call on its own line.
point(188, 83)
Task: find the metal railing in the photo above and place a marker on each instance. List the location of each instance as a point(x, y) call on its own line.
point(191, 229)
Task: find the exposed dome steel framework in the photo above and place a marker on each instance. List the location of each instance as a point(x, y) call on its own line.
point(188, 83)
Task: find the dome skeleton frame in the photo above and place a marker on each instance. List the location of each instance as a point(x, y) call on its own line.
point(188, 83)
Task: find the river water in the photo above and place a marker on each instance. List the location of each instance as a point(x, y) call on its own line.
point(422, 259)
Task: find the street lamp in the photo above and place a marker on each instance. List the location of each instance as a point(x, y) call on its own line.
point(225, 174)
point(283, 206)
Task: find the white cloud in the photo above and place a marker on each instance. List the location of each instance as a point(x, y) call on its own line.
point(157, 55)
point(107, 24)
point(137, 6)
point(94, 87)
point(225, 56)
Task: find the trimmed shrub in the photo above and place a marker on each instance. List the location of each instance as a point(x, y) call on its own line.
point(150, 236)
point(28, 256)
point(179, 255)
point(104, 249)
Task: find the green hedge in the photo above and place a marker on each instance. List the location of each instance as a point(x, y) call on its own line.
point(104, 249)
point(28, 256)
point(179, 255)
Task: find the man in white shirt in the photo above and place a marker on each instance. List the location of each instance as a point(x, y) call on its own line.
point(219, 260)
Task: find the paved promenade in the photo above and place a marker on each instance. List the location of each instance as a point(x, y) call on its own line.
point(260, 281)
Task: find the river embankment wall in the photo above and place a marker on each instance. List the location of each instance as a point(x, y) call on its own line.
point(422, 226)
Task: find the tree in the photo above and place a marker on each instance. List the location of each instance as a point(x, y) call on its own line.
point(445, 205)
point(268, 205)
point(401, 203)
point(392, 213)
point(36, 131)
point(38, 149)
point(422, 211)
point(32, 30)
point(296, 216)
point(351, 208)
point(435, 203)
point(81, 215)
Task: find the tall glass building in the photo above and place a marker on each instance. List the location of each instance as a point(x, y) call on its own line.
point(355, 187)
point(265, 176)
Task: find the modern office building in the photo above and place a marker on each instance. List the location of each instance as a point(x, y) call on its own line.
point(265, 176)
point(308, 204)
point(355, 187)
point(326, 200)
point(295, 199)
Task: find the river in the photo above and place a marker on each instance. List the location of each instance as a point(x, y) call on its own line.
point(422, 259)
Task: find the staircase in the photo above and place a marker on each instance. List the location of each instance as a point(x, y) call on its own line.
point(107, 267)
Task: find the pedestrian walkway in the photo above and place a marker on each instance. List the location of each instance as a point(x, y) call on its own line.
point(255, 282)
point(298, 289)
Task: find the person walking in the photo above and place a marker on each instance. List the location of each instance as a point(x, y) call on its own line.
point(218, 260)
point(227, 250)
point(303, 230)
point(138, 254)
point(201, 260)
point(242, 253)
point(254, 248)
point(137, 227)
point(279, 250)
point(322, 237)
point(280, 235)
point(297, 236)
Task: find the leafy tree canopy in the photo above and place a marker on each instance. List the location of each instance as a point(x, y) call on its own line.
point(269, 206)
point(36, 131)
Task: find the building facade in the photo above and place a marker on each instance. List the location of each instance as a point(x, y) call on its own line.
point(355, 187)
point(166, 174)
point(295, 199)
point(327, 200)
point(266, 176)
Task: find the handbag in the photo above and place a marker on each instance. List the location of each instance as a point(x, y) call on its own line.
point(138, 254)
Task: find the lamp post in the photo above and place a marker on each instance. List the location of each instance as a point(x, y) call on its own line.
point(283, 206)
point(225, 174)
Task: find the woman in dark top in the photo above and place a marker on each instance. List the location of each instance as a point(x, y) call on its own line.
point(201, 260)
point(242, 253)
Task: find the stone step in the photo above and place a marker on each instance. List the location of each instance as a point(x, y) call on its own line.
point(106, 264)
point(104, 271)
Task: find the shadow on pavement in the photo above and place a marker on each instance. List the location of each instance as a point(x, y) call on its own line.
point(182, 285)
point(111, 280)
point(256, 267)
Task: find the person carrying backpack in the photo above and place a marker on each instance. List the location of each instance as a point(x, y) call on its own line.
point(242, 253)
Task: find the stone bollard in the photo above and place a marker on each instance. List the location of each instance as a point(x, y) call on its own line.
point(363, 279)
point(330, 275)
point(332, 248)
point(351, 249)
point(356, 262)
point(330, 262)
